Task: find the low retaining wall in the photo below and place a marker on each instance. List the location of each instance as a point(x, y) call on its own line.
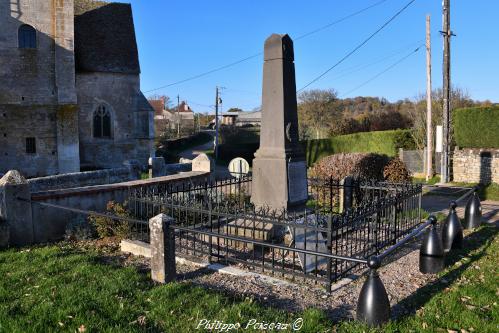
point(49, 224)
point(476, 165)
point(78, 179)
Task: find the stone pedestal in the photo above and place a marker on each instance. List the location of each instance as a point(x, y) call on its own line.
point(16, 213)
point(202, 163)
point(279, 167)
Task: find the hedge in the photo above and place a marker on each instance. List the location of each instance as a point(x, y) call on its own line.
point(381, 142)
point(476, 127)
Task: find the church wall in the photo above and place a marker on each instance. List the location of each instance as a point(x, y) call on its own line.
point(37, 90)
point(20, 122)
point(27, 76)
point(119, 93)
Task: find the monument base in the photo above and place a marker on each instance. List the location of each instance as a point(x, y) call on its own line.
point(276, 189)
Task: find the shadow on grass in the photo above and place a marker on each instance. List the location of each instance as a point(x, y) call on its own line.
point(483, 237)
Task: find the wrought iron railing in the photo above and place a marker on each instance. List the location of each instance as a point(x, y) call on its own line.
point(216, 220)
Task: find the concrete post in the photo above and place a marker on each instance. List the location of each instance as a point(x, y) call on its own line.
point(157, 167)
point(15, 212)
point(162, 239)
point(346, 193)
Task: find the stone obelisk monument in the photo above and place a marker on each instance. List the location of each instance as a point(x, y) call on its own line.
point(279, 167)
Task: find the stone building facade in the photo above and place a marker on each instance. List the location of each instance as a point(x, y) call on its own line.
point(476, 166)
point(70, 87)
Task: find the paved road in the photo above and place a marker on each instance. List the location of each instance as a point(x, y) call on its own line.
point(440, 203)
point(191, 153)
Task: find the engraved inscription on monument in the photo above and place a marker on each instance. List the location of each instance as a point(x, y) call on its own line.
point(297, 181)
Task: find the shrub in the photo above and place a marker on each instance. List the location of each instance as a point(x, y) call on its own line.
point(358, 165)
point(476, 127)
point(362, 166)
point(404, 139)
point(396, 171)
point(112, 227)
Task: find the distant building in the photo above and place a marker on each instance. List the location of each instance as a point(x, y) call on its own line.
point(70, 87)
point(243, 118)
point(165, 119)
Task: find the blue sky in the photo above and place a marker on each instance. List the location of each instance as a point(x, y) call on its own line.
point(179, 39)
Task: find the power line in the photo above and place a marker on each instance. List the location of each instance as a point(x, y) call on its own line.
point(383, 71)
point(339, 20)
point(358, 68)
point(358, 46)
point(341, 74)
point(206, 73)
point(260, 53)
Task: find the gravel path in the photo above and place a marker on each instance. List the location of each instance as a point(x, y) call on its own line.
point(400, 276)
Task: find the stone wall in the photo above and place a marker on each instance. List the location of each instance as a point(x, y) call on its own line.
point(476, 165)
point(49, 224)
point(81, 179)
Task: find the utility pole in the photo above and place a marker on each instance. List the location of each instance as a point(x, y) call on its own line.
point(178, 116)
point(429, 128)
point(447, 33)
point(216, 123)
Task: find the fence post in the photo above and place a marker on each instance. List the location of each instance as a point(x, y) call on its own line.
point(373, 306)
point(329, 241)
point(17, 213)
point(162, 236)
point(346, 193)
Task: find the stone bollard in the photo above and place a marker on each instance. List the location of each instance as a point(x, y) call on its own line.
point(157, 167)
point(431, 253)
point(452, 231)
point(373, 306)
point(473, 212)
point(17, 213)
point(162, 239)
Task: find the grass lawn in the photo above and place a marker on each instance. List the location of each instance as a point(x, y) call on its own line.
point(490, 192)
point(62, 287)
point(422, 180)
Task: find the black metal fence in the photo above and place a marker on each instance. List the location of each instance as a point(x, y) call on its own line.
point(216, 221)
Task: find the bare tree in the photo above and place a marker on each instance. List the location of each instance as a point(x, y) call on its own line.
point(316, 110)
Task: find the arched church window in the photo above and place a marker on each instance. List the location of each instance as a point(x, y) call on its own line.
point(27, 37)
point(102, 122)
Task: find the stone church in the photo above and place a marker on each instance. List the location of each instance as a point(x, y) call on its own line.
point(70, 96)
